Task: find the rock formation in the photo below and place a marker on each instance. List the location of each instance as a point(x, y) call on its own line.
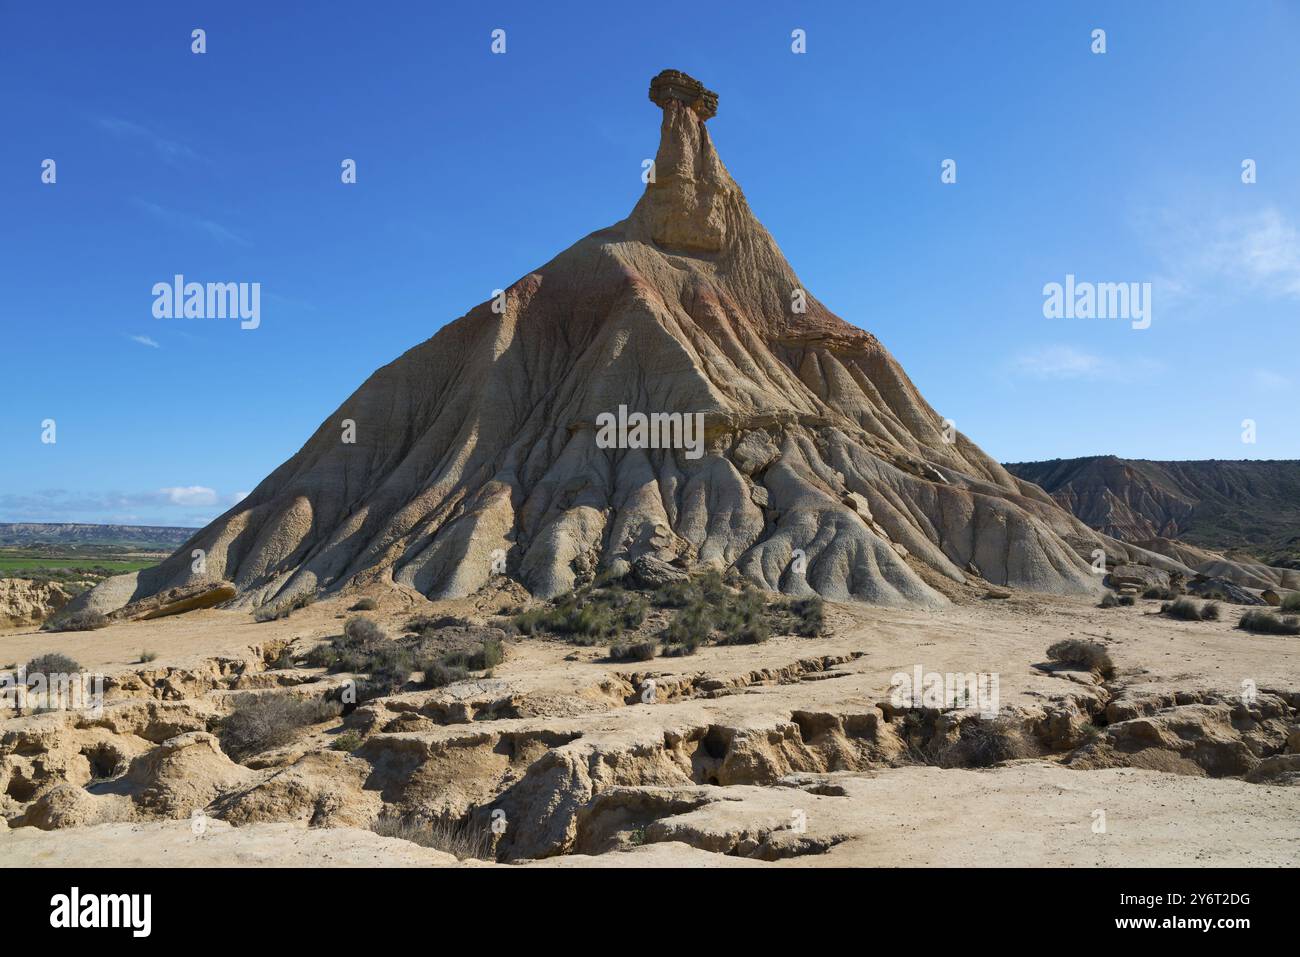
point(27, 602)
point(477, 452)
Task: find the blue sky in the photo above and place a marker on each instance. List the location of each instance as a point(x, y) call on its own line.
point(474, 168)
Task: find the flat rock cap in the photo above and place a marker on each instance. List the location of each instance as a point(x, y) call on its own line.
point(675, 85)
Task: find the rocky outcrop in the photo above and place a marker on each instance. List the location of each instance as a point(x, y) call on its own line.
point(27, 602)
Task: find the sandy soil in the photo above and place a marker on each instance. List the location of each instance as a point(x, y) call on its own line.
point(1035, 812)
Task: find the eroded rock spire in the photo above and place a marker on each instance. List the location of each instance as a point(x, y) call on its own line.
point(685, 203)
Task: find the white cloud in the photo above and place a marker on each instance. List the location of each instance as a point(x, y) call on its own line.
point(1053, 362)
point(190, 496)
point(145, 341)
point(1257, 252)
point(238, 497)
point(1067, 362)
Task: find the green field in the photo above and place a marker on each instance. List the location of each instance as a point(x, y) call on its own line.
point(48, 563)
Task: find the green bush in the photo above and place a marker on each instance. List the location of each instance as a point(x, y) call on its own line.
point(690, 629)
point(741, 621)
point(1291, 602)
point(365, 604)
point(147, 656)
point(1127, 600)
point(347, 741)
point(1109, 600)
point(1210, 611)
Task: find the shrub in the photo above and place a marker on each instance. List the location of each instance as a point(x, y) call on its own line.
point(486, 657)
point(638, 651)
point(284, 608)
point(1210, 611)
point(359, 632)
point(347, 741)
point(530, 622)
point(1265, 622)
point(322, 656)
point(147, 656)
point(1291, 602)
point(1161, 593)
point(491, 655)
point(678, 651)
point(365, 604)
point(811, 615)
point(741, 619)
point(1085, 654)
point(462, 840)
point(676, 594)
point(262, 722)
point(1127, 600)
point(690, 629)
point(984, 743)
point(1109, 600)
point(52, 663)
point(1182, 608)
point(438, 674)
point(421, 624)
point(270, 613)
point(389, 666)
point(77, 621)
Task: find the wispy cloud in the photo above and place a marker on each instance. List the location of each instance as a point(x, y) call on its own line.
point(1269, 381)
point(187, 504)
point(190, 221)
point(1067, 362)
point(171, 151)
point(189, 495)
point(145, 341)
point(1256, 252)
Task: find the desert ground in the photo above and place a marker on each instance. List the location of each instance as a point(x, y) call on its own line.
point(790, 752)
